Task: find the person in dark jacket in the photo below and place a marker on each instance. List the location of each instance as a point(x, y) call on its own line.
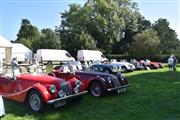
point(174, 62)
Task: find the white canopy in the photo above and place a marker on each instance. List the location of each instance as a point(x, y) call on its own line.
point(4, 43)
point(8, 49)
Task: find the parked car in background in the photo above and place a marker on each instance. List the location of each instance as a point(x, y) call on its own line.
point(53, 56)
point(38, 90)
point(90, 55)
point(137, 64)
point(96, 83)
point(144, 63)
point(125, 66)
point(152, 65)
point(106, 68)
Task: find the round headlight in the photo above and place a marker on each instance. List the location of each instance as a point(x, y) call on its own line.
point(76, 90)
point(122, 77)
point(61, 94)
point(52, 88)
point(78, 83)
point(109, 80)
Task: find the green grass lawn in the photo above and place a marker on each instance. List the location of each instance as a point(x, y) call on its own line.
point(153, 95)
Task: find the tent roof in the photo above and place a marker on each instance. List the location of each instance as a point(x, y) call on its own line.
point(4, 42)
point(18, 47)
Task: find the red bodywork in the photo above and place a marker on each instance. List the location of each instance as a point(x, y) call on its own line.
point(152, 65)
point(88, 77)
point(18, 89)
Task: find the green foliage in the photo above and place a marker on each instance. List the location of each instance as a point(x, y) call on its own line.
point(112, 26)
point(27, 34)
point(146, 44)
point(30, 36)
point(104, 21)
point(48, 40)
point(168, 36)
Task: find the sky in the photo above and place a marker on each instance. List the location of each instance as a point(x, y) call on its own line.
point(46, 13)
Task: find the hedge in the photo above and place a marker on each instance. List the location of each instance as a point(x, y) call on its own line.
point(161, 58)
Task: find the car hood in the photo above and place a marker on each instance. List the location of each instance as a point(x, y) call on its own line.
point(92, 73)
point(39, 78)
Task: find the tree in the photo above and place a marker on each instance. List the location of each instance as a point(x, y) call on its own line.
point(27, 34)
point(48, 40)
point(168, 36)
point(146, 45)
point(103, 20)
point(140, 24)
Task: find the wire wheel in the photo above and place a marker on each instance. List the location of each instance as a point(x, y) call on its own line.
point(35, 101)
point(96, 89)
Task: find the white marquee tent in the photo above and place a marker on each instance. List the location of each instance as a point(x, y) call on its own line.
point(4, 43)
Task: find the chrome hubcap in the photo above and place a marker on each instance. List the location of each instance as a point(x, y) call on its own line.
point(96, 90)
point(35, 102)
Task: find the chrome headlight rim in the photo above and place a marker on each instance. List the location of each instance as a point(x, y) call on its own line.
point(52, 89)
point(61, 94)
point(78, 83)
point(109, 80)
point(76, 90)
point(122, 77)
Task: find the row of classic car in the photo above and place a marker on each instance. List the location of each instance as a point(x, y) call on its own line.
point(68, 81)
point(64, 83)
point(134, 64)
point(125, 66)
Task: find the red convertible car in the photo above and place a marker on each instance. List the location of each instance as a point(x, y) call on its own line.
point(96, 83)
point(151, 64)
point(38, 90)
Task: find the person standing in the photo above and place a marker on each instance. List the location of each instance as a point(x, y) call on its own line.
point(170, 63)
point(174, 62)
point(15, 68)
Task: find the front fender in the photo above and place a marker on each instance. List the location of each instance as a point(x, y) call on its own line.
point(101, 80)
point(45, 94)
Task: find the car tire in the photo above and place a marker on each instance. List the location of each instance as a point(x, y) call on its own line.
point(35, 101)
point(96, 89)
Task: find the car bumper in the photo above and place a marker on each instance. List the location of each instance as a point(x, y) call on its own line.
point(66, 98)
point(116, 88)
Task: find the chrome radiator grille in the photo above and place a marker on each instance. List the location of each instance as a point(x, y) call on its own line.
point(66, 88)
point(115, 80)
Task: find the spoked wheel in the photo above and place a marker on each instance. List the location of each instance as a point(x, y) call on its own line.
point(96, 89)
point(35, 101)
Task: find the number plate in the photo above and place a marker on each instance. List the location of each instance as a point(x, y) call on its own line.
point(59, 103)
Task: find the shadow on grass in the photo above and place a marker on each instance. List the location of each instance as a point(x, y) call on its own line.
point(152, 95)
point(22, 109)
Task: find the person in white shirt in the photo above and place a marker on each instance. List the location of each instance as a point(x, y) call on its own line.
point(15, 68)
point(2, 110)
point(170, 63)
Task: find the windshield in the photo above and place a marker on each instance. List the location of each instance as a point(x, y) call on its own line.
point(68, 55)
point(23, 69)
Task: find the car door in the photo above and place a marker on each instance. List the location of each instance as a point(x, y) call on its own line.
point(7, 85)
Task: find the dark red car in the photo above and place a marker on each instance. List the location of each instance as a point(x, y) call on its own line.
point(96, 83)
point(40, 89)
